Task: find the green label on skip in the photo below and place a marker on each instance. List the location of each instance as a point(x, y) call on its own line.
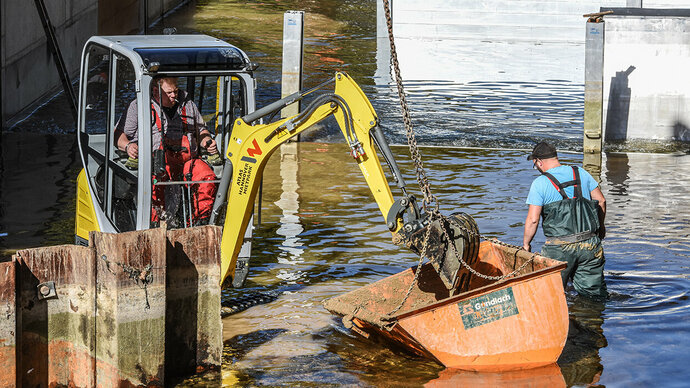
point(488, 308)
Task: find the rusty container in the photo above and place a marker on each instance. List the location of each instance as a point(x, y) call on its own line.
point(518, 322)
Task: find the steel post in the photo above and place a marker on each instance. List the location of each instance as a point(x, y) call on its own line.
point(293, 51)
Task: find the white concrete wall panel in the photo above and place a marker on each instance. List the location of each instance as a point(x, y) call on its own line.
point(646, 78)
point(499, 40)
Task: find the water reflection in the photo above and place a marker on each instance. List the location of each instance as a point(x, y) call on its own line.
point(290, 226)
point(580, 361)
point(547, 376)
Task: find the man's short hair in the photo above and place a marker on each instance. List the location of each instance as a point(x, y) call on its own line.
point(543, 150)
point(171, 80)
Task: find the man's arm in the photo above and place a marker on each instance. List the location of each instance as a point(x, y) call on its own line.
point(205, 137)
point(531, 225)
point(597, 195)
point(126, 131)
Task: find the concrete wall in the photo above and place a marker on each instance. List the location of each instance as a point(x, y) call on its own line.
point(493, 40)
point(646, 80)
point(28, 73)
point(28, 70)
point(538, 41)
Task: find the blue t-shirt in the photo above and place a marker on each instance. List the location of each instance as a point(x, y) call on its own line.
point(543, 192)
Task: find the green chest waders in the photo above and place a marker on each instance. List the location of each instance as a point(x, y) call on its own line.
point(570, 226)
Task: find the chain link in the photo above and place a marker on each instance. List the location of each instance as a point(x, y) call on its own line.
point(423, 182)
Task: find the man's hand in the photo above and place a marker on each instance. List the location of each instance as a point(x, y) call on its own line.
point(132, 150)
point(601, 232)
point(210, 145)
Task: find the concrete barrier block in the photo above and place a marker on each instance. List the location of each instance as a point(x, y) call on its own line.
point(129, 310)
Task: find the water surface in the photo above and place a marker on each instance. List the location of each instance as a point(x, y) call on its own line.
point(322, 235)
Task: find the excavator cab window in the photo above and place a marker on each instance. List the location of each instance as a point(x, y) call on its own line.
point(108, 91)
point(121, 207)
point(95, 116)
point(191, 110)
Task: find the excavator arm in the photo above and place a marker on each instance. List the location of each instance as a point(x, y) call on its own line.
point(251, 146)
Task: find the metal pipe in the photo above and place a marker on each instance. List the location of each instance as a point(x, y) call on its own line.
point(283, 102)
point(57, 56)
point(222, 191)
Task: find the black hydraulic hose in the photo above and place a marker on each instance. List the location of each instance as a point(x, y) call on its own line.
point(348, 119)
point(340, 102)
point(283, 102)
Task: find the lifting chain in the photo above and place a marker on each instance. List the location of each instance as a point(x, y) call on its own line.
point(422, 180)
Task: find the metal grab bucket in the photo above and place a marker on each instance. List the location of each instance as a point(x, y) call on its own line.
point(516, 323)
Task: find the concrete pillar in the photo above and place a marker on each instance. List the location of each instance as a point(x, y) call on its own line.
point(293, 51)
point(634, 4)
point(383, 48)
point(594, 70)
point(193, 339)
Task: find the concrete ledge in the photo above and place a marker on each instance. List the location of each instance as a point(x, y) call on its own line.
point(681, 12)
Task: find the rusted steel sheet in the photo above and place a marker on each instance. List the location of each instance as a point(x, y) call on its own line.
point(193, 296)
point(130, 293)
point(8, 324)
point(518, 322)
point(54, 336)
point(105, 318)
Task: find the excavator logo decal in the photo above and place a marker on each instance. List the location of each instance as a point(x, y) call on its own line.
point(254, 151)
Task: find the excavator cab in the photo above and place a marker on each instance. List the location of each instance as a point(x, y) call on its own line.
point(121, 78)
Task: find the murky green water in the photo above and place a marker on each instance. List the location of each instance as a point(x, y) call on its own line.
point(321, 234)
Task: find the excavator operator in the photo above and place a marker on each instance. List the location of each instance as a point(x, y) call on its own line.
point(177, 130)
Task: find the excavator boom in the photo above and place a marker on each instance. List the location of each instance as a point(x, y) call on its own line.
point(250, 147)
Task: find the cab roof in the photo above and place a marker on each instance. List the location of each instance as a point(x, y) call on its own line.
point(132, 42)
point(177, 52)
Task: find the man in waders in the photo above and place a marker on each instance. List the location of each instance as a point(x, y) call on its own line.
point(573, 209)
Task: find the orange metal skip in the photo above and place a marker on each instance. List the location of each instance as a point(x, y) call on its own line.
point(516, 323)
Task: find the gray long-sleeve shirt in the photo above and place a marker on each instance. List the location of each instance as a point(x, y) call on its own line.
point(187, 119)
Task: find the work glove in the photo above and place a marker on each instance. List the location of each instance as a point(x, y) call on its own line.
point(214, 160)
point(132, 163)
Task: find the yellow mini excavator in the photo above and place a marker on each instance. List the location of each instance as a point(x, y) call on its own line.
point(120, 81)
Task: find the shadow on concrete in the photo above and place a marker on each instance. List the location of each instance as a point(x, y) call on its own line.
point(681, 132)
point(181, 305)
point(618, 108)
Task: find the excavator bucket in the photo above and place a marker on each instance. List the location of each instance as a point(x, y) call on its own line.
point(517, 322)
point(446, 255)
